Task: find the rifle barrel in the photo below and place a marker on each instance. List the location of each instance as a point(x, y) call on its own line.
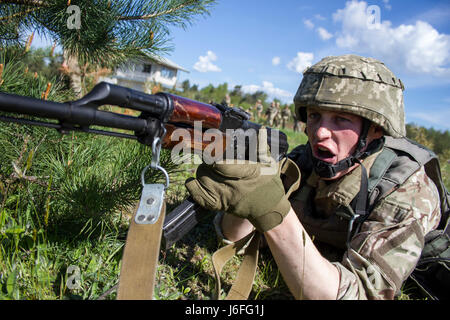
point(69, 113)
point(173, 112)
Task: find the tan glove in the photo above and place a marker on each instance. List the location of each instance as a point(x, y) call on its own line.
point(251, 190)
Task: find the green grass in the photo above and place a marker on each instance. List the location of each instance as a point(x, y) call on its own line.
point(78, 220)
point(295, 138)
point(64, 203)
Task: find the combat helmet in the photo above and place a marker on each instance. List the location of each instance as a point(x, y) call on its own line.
point(356, 85)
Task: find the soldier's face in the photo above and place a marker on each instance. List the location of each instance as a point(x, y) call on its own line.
point(333, 135)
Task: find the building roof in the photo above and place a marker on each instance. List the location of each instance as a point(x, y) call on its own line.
point(167, 62)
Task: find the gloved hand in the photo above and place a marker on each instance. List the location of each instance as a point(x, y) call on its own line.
point(251, 190)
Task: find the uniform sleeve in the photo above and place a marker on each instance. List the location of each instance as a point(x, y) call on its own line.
point(386, 250)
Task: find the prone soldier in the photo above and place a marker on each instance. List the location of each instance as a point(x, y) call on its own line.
point(368, 237)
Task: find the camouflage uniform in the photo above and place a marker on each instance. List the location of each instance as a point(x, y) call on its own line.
point(258, 110)
point(385, 249)
point(388, 245)
point(278, 117)
point(285, 115)
point(271, 114)
point(297, 125)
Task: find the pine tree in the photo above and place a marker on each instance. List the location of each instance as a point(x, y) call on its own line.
point(98, 34)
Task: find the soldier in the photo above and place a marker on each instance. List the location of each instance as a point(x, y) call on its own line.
point(296, 124)
point(285, 115)
point(258, 110)
point(277, 120)
point(364, 247)
point(271, 113)
point(226, 101)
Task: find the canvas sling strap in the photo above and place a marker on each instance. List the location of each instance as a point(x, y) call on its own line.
point(141, 253)
point(242, 286)
point(140, 259)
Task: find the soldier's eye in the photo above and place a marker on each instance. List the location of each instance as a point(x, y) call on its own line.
point(342, 119)
point(313, 115)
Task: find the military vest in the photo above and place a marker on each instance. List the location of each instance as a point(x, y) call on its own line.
point(325, 209)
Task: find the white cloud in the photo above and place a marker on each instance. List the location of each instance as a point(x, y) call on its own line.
point(302, 61)
point(205, 63)
point(308, 23)
point(276, 61)
point(270, 89)
point(417, 48)
point(324, 34)
point(433, 118)
point(319, 17)
point(439, 15)
point(387, 5)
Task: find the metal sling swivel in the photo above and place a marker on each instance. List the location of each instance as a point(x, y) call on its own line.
point(141, 253)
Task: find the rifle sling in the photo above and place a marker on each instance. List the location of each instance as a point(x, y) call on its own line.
point(243, 283)
point(140, 259)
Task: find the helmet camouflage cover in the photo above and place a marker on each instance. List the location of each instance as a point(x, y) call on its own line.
point(357, 85)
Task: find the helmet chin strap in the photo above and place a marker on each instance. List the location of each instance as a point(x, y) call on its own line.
point(327, 170)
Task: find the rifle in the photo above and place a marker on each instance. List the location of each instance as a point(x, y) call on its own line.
point(160, 116)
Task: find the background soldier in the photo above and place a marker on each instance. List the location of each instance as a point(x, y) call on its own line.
point(285, 114)
point(271, 114)
point(258, 110)
point(296, 124)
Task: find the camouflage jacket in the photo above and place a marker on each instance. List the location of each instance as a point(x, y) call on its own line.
point(388, 245)
point(271, 110)
point(286, 113)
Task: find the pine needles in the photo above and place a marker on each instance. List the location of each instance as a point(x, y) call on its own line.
point(62, 196)
point(110, 31)
point(65, 199)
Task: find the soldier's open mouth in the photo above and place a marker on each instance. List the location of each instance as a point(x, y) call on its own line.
point(324, 154)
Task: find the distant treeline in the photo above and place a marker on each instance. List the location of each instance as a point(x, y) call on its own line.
point(218, 94)
point(436, 140)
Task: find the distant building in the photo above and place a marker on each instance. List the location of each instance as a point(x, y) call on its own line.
point(142, 74)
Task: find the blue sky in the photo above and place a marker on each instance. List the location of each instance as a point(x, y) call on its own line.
point(265, 45)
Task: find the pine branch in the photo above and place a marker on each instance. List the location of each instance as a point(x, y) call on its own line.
point(110, 32)
point(18, 14)
point(153, 15)
point(34, 3)
point(16, 176)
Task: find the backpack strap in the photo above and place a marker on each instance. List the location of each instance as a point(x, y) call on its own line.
point(398, 161)
point(378, 170)
point(433, 170)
